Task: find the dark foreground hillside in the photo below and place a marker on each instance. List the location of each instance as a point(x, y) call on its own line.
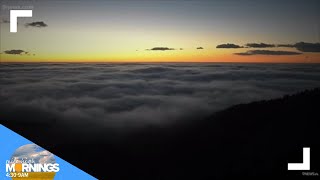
point(250, 140)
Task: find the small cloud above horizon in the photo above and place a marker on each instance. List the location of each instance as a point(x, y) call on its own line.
point(228, 45)
point(200, 48)
point(161, 49)
point(38, 24)
point(15, 52)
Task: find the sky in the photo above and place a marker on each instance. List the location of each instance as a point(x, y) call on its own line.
point(162, 31)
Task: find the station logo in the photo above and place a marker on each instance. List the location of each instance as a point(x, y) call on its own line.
point(30, 161)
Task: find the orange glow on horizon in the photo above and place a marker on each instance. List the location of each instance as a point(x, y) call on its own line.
point(166, 57)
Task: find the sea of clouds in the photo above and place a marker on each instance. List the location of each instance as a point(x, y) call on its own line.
point(136, 95)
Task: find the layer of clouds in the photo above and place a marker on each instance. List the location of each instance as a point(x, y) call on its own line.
point(268, 52)
point(39, 24)
point(228, 45)
point(161, 49)
point(91, 99)
point(260, 45)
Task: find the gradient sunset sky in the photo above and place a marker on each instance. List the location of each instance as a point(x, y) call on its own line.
point(131, 31)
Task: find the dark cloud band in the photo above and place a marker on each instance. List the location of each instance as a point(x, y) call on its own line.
point(228, 45)
point(15, 52)
point(303, 46)
point(267, 52)
point(160, 49)
point(308, 47)
point(38, 24)
point(260, 45)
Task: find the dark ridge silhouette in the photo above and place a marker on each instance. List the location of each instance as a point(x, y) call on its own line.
point(247, 140)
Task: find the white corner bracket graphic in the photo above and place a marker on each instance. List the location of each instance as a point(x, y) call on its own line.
point(305, 165)
point(14, 14)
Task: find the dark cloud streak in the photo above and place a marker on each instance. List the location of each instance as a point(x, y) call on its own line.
point(267, 52)
point(160, 49)
point(39, 24)
point(307, 47)
point(228, 45)
point(16, 52)
point(286, 45)
point(303, 46)
point(260, 45)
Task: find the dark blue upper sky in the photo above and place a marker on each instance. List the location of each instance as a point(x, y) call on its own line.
point(122, 27)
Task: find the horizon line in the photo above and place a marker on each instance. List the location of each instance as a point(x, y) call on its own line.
point(156, 62)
